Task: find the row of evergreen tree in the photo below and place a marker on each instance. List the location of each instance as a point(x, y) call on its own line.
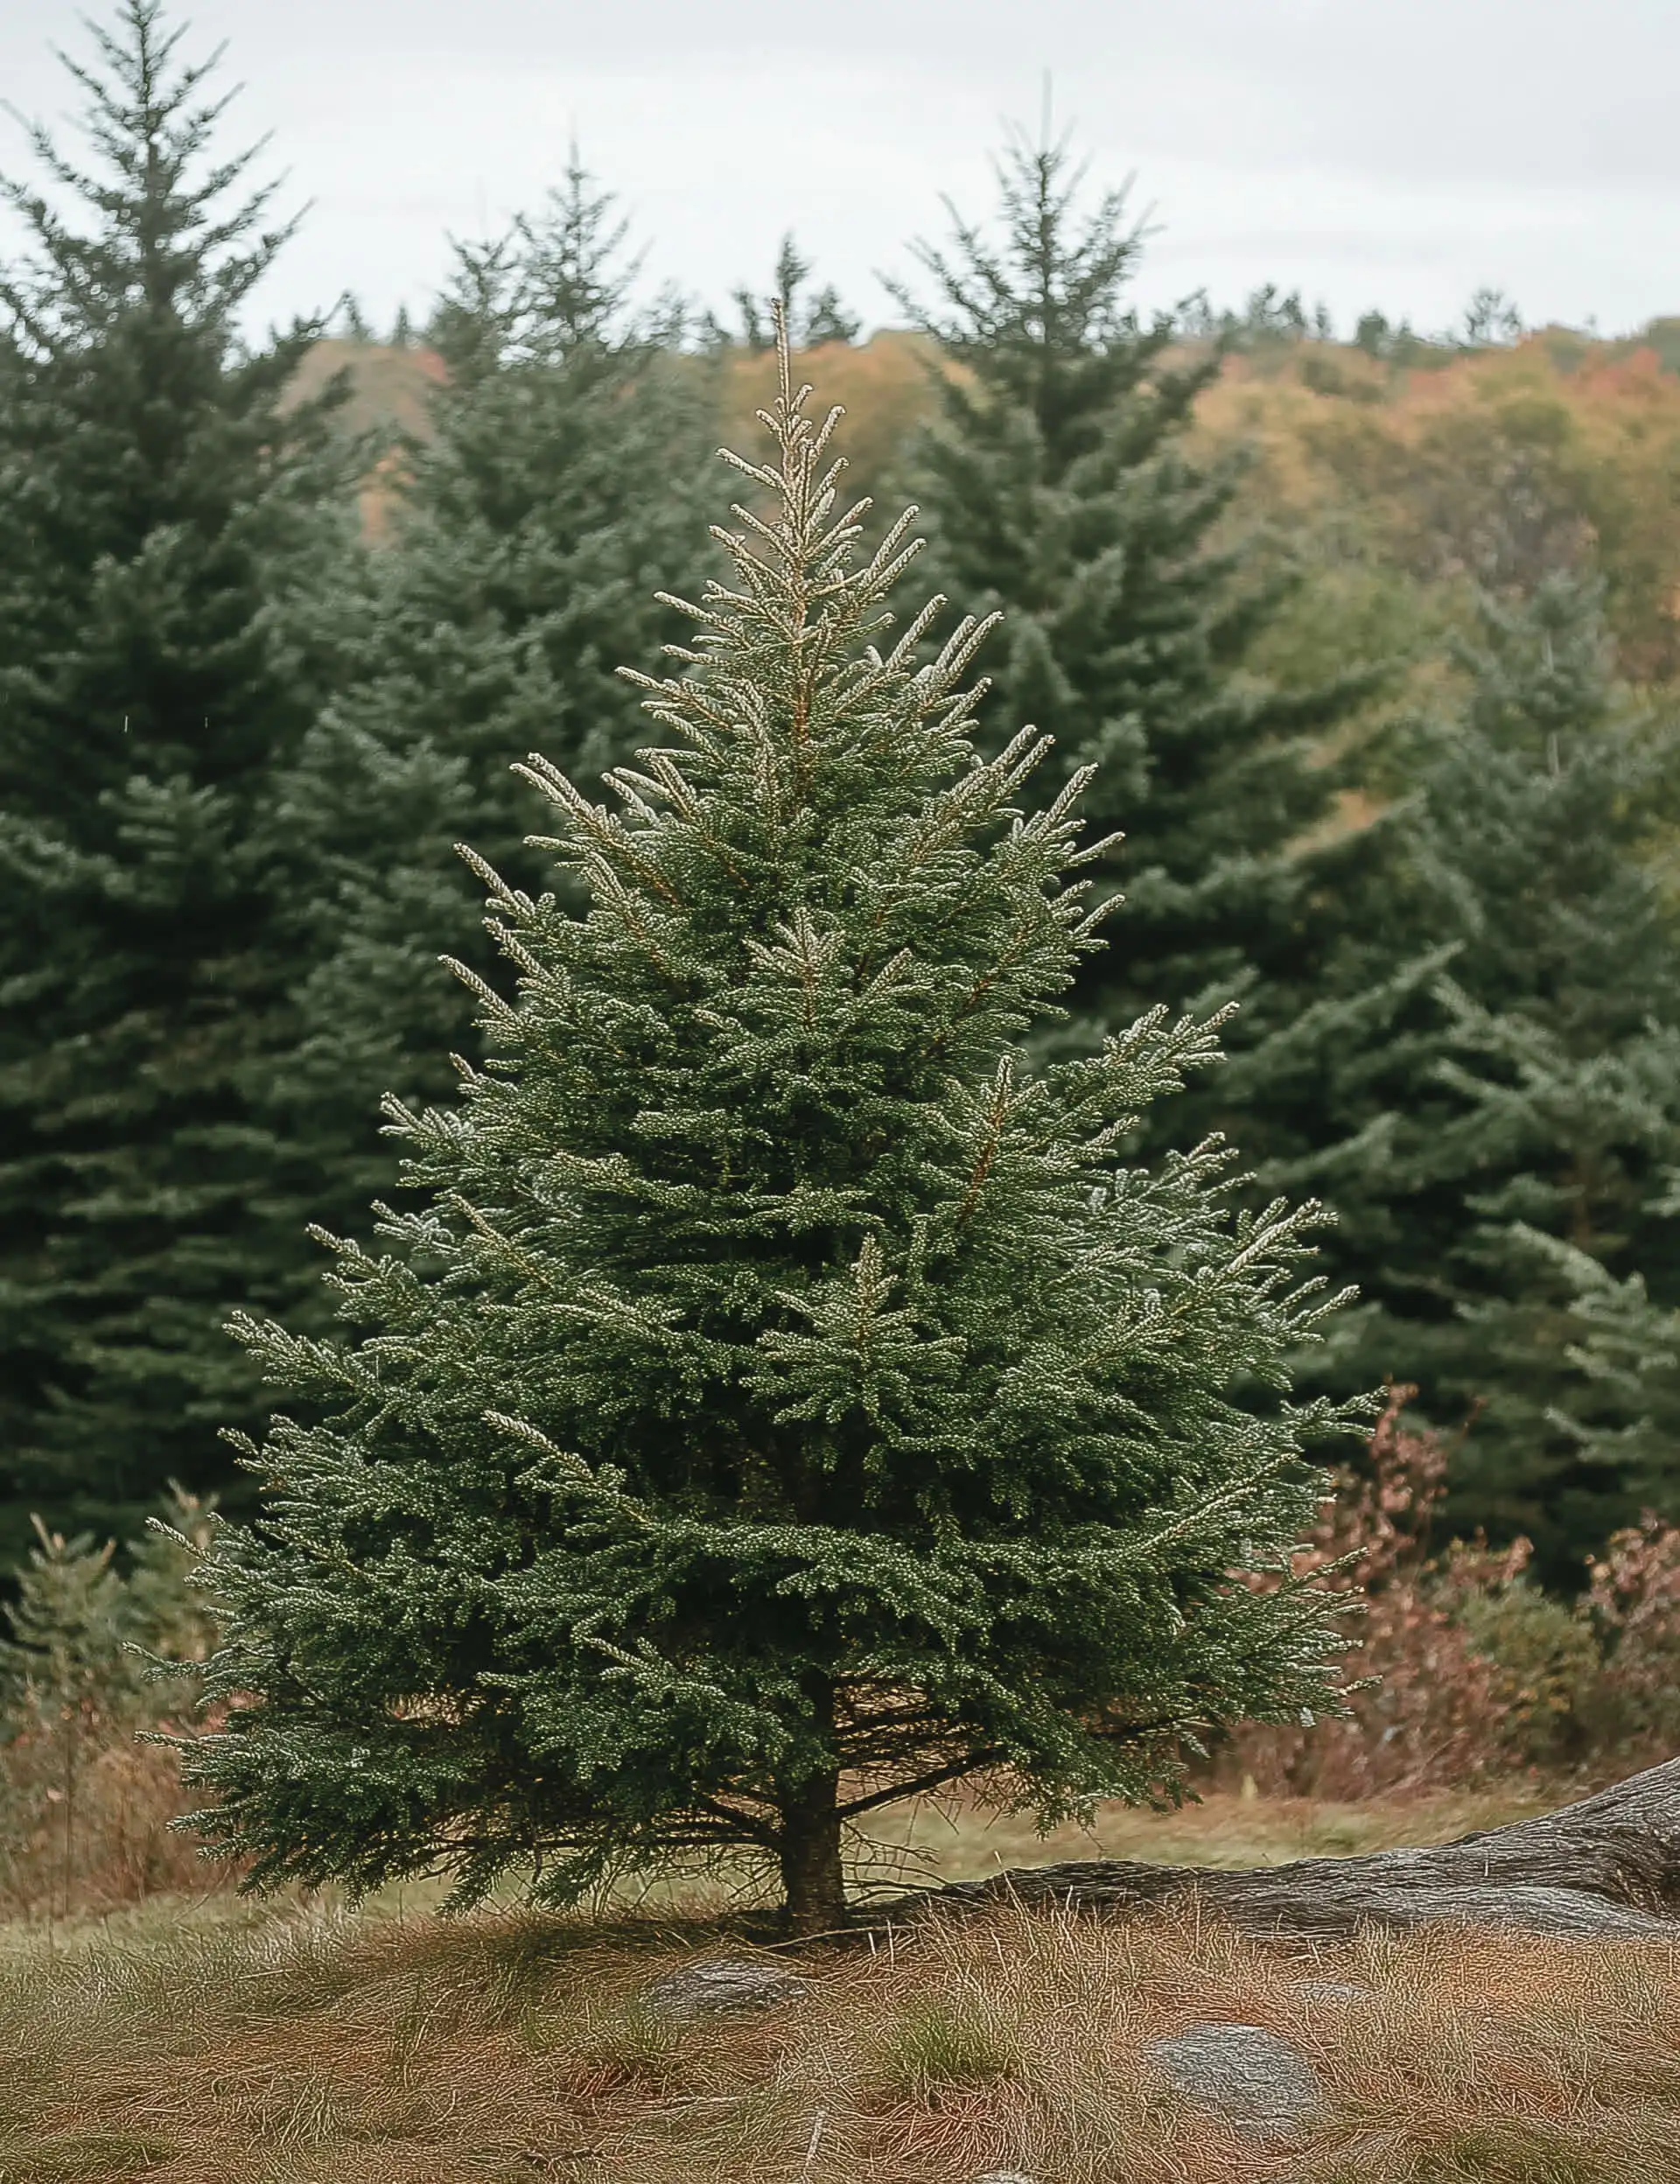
point(239, 746)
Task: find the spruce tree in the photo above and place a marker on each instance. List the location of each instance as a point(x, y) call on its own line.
point(1618, 1412)
point(1500, 1143)
point(785, 1398)
point(1057, 485)
point(808, 325)
point(163, 519)
point(567, 463)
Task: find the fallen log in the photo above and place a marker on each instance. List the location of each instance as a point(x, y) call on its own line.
point(1609, 1864)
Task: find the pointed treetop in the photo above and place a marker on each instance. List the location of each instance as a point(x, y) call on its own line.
point(162, 234)
point(1050, 278)
point(555, 285)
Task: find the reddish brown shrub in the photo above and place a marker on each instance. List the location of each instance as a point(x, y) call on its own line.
point(1469, 1670)
point(1634, 1602)
point(1432, 1713)
point(85, 1805)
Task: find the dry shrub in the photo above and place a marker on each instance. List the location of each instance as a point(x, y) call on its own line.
point(85, 1805)
point(96, 1833)
point(1634, 1602)
point(1470, 1671)
point(1428, 1716)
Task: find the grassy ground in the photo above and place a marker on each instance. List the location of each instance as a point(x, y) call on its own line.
point(220, 2045)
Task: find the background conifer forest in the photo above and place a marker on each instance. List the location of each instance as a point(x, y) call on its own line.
point(1370, 634)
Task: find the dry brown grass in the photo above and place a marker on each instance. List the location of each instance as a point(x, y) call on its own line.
point(114, 1847)
point(232, 2047)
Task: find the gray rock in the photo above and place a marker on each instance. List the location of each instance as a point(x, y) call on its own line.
point(725, 1987)
point(1261, 2086)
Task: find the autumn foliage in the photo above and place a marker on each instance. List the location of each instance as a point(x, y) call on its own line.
point(1466, 1671)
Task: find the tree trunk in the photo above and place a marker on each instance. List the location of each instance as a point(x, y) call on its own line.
point(811, 1877)
point(1609, 1864)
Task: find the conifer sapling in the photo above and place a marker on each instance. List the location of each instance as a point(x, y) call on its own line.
point(785, 1401)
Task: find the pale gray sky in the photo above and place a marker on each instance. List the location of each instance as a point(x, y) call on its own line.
point(1395, 152)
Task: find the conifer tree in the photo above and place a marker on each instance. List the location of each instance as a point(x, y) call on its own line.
point(824, 318)
point(786, 1399)
point(66, 1683)
point(567, 466)
point(1503, 1138)
point(1618, 1414)
point(1057, 485)
point(163, 522)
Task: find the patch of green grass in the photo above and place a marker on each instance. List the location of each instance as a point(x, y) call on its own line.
point(937, 2044)
point(1508, 2150)
point(629, 2045)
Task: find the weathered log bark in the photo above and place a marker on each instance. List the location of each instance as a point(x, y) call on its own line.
point(1609, 1864)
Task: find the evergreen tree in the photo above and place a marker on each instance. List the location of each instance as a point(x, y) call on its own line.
point(823, 319)
point(1491, 321)
point(1618, 1415)
point(568, 460)
point(63, 1667)
point(1503, 1131)
point(1057, 487)
point(787, 1399)
point(1267, 320)
point(162, 520)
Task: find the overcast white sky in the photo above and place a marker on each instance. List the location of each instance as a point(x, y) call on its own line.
point(1394, 152)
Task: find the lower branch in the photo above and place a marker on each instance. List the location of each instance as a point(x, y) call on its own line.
point(974, 1764)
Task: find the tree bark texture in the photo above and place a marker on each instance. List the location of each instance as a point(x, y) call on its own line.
point(812, 1877)
point(1609, 1864)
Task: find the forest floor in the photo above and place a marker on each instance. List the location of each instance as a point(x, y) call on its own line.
point(223, 2042)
